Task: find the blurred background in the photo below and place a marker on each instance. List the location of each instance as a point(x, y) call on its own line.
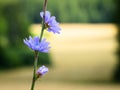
point(85, 56)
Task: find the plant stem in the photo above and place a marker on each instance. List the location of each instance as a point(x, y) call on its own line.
point(34, 72)
point(41, 34)
point(43, 22)
point(44, 8)
point(36, 52)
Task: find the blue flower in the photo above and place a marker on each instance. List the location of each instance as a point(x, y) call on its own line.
point(42, 70)
point(35, 44)
point(50, 22)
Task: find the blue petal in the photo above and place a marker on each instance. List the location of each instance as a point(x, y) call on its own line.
point(47, 15)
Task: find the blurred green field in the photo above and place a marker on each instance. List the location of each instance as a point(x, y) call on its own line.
point(20, 79)
point(83, 59)
point(83, 51)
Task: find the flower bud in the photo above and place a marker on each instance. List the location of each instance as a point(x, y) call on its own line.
point(42, 70)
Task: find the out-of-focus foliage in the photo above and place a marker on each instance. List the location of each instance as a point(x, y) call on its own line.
point(90, 11)
point(116, 19)
point(17, 15)
point(14, 23)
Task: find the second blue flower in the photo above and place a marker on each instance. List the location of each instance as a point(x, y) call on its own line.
point(35, 44)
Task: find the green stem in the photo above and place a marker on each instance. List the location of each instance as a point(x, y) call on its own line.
point(34, 72)
point(36, 52)
point(43, 23)
point(43, 27)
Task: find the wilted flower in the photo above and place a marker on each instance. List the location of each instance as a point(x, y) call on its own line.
point(42, 70)
point(50, 22)
point(35, 44)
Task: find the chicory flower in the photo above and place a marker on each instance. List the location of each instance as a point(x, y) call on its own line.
point(42, 70)
point(50, 22)
point(36, 44)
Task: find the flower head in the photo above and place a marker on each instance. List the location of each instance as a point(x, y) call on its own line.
point(50, 22)
point(35, 44)
point(42, 70)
